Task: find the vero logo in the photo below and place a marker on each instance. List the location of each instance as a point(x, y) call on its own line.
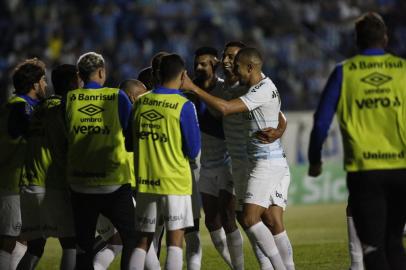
point(152, 115)
point(376, 79)
point(90, 110)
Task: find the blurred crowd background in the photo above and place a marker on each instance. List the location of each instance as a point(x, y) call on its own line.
point(300, 40)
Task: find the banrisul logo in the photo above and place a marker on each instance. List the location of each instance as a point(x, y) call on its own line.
point(90, 110)
point(152, 115)
point(376, 79)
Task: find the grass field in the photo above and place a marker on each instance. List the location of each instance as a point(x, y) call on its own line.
point(317, 232)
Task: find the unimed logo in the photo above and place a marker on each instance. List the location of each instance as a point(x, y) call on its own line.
point(152, 115)
point(90, 110)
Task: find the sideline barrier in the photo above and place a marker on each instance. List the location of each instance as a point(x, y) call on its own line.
point(330, 186)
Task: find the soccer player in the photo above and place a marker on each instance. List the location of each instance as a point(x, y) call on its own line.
point(133, 88)
point(166, 136)
point(30, 85)
point(367, 92)
point(236, 134)
point(113, 244)
point(263, 103)
point(215, 182)
point(46, 166)
point(145, 76)
point(98, 172)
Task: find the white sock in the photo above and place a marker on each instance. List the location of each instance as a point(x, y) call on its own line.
point(157, 236)
point(285, 249)
point(28, 262)
point(261, 236)
point(5, 259)
point(235, 247)
point(68, 261)
point(354, 246)
point(17, 254)
point(116, 249)
point(137, 260)
point(264, 262)
point(193, 250)
point(103, 259)
point(151, 260)
point(218, 238)
point(174, 258)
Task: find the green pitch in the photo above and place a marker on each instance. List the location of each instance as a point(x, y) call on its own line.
point(317, 232)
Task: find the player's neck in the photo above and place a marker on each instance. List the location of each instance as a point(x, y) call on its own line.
point(256, 78)
point(231, 80)
point(171, 85)
point(32, 94)
point(208, 85)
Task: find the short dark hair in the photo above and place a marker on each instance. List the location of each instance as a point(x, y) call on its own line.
point(171, 66)
point(370, 31)
point(155, 64)
point(64, 79)
point(124, 85)
point(205, 50)
point(237, 44)
point(145, 76)
point(250, 53)
point(89, 63)
point(26, 74)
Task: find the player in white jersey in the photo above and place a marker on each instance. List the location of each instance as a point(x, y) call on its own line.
point(215, 183)
point(265, 160)
point(236, 134)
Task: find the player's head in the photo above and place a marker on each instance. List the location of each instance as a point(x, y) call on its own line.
point(145, 76)
point(29, 76)
point(371, 31)
point(64, 79)
point(205, 63)
point(247, 63)
point(133, 88)
point(230, 51)
point(172, 71)
point(91, 67)
point(155, 64)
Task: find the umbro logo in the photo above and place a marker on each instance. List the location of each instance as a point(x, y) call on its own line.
point(376, 79)
point(152, 115)
point(90, 110)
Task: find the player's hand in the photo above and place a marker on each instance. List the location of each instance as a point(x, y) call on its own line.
point(315, 169)
point(187, 83)
point(269, 135)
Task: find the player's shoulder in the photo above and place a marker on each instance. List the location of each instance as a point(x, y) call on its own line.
point(265, 84)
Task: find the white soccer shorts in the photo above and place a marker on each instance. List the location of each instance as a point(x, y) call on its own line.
point(152, 209)
point(10, 217)
point(264, 176)
point(280, 196)
point(105, 228)
point(213, 180)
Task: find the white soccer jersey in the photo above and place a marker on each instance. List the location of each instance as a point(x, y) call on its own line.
point(213, 151)
point(264, 104)
point(234, 126)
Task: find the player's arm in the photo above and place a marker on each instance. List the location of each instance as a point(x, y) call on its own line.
point(125, 117)
point(223, 106)
point(269, 135)
point(190, 131)
point(322, 120)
